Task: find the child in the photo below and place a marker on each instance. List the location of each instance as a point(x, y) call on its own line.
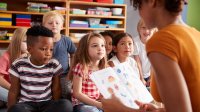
point(108, 36)
point(16, 49)
point(35, 82)
point(90, 57)
point(174, 53)
point(123, 48)
point(63, 46)
point(144, 35)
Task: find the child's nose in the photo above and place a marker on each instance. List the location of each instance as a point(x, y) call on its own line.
point(48, 53)
point(127, 45)
point(54, 24)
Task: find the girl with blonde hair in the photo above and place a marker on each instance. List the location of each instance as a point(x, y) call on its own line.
point(16, 49)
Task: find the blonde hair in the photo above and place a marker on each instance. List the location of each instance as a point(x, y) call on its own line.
point(140, 24)
point(50, 14)
point(14, 48)
point(82, 55)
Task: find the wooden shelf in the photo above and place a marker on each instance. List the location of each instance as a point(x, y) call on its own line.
point(56, 1)
point(22, 12)
point(14, 27)
point(108, 29)
point(96, 4)
point(4, 41)
point(96, 16)
point(20, 7)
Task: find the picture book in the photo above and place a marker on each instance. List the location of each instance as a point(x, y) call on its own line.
point(122, 81)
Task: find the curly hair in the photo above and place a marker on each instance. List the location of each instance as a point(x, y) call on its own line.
point(173, 6)
point(34, 32)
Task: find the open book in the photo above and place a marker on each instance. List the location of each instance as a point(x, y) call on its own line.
point(123, 82)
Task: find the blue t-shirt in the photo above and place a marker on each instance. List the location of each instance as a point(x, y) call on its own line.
point(61, 50)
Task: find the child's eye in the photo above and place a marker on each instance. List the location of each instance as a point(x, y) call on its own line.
point(94, 45)
point(129, 43)
point(51, 49)
point(43, 49)
point(122, 43)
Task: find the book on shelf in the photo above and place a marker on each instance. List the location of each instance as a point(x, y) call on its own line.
point(123, 82)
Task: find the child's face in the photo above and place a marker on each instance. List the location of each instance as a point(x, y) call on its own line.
point(145, 33)
point(108, 40)
point(124, 47)
point(41, 51)
point(55, 24)
point(24, 47)
point(96, 49)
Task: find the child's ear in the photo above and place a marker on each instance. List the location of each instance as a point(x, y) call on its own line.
point(29, 49)
point(153, 3)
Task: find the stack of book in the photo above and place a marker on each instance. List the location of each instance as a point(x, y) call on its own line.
point(23, 20)
point(5, 19)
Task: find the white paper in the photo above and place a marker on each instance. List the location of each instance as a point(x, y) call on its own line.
point(123, 82)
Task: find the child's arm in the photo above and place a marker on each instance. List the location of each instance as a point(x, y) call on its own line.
point(56, 88)
point(4, 83)
point(77, 92)
point(71, 57)
point(14, 91)
point(70, 73)
point(139, 65)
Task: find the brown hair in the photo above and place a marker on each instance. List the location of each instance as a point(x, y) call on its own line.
point(119, 36)
point(82, 55)
point(172, 6)
point(14, 48)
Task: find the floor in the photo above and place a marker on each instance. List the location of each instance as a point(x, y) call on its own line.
point(3, 110)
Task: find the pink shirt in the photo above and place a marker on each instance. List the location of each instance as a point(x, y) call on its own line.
point(5, 65)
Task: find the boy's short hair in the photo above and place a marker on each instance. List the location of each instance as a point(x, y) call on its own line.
point(49, 14)
point(34, 32)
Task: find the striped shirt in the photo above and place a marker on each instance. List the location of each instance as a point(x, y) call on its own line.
point(35, 81)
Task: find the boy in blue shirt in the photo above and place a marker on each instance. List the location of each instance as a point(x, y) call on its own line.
point(63, 47)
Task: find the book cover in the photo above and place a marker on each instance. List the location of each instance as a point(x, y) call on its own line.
point(123, 82)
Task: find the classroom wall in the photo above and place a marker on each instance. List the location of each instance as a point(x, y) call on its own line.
point(184, 13)
point(190, 16)
point(193, 16)
point(132, 19)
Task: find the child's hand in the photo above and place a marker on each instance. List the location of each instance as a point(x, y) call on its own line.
point(100, 97)
point(99, 105)
point(144, 82)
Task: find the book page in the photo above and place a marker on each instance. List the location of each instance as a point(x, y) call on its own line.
point(109, 83)
point(133, 84)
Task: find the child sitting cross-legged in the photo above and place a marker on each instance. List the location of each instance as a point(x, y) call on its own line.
point(90, 57)
point(35, 85)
